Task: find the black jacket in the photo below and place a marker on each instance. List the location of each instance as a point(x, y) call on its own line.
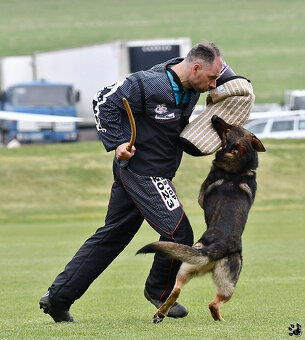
point(159, 120)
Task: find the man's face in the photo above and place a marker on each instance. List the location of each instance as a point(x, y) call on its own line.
point(204, 76)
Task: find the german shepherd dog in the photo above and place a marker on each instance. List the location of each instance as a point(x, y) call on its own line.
point(226, 197)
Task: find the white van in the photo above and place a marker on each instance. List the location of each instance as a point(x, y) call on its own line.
point(290, 126)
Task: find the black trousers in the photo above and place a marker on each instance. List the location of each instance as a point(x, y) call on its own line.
point(133, 198)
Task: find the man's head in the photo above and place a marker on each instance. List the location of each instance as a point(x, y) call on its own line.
point(202, 64)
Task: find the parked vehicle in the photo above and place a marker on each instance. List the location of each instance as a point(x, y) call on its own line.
point(41, 98)
point(294, 100)
point(281, 126)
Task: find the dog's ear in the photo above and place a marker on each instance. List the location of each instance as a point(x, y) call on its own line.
point(257, 144)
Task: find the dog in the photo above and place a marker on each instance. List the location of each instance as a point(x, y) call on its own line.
point(226, 197)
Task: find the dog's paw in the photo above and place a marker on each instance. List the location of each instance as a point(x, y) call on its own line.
point(158, 317)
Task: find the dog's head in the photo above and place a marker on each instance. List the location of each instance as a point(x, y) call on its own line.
point(239, 147)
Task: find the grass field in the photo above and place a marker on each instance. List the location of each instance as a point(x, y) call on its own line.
point(53, 197)
point(263, 40)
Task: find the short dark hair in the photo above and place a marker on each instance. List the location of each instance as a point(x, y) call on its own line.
point(206, 51)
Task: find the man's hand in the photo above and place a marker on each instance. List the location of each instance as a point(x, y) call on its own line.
point(122, 154)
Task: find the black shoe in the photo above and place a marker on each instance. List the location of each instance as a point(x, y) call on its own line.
point(58, 315)
point(177, 311)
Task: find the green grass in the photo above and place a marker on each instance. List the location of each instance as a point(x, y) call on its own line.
point(53, 197)
point(263, 40)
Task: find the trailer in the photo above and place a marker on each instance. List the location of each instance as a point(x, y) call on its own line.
point(90, 68)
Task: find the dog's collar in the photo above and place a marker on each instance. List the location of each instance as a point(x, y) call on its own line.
point(248, 172)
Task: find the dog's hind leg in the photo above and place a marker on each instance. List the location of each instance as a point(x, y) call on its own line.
point(225, 276)
point(216, 304)
point(185, 273)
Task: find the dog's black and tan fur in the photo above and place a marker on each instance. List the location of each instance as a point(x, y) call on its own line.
point(226, 197)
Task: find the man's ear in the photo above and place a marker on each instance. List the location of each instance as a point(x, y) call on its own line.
point(196, 67)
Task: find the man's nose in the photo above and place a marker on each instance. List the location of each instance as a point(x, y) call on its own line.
point(212, 84)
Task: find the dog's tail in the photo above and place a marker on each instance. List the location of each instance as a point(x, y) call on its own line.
point(177, 251)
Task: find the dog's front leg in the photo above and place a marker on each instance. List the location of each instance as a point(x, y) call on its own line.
point(170, 301)
point(183, 276)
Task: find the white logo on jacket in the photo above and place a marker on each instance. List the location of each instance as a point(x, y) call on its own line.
point(161, 109)
point(162, 112)
point(100, 98)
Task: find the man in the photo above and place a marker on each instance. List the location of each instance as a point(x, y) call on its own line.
point(162, 100)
